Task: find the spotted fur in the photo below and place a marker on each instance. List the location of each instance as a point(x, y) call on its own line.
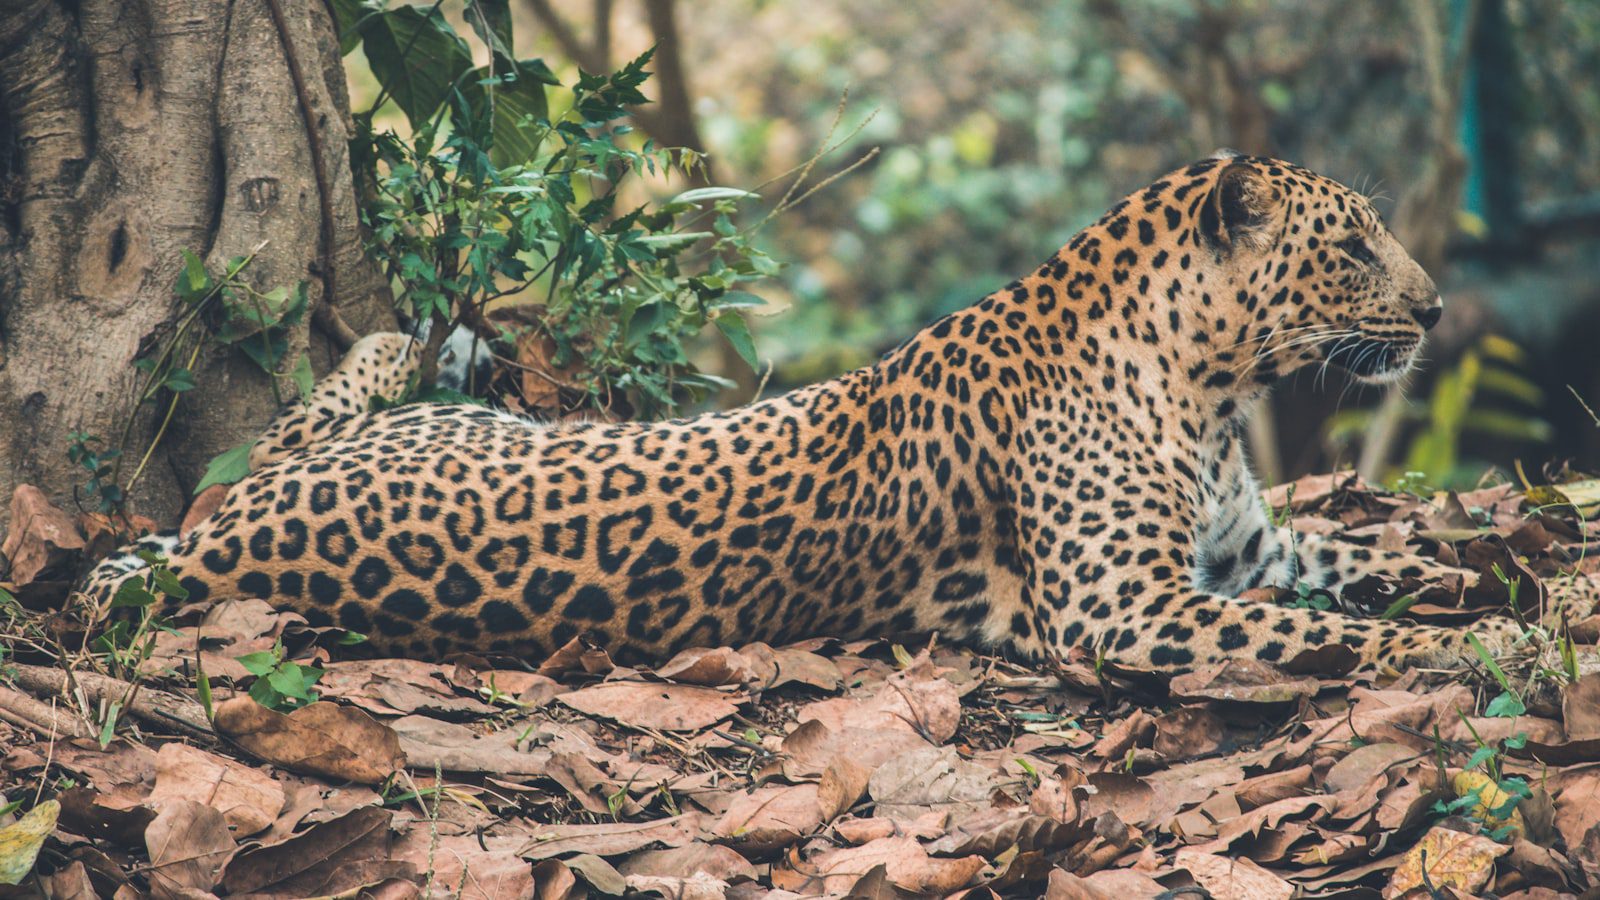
point(1057, 465)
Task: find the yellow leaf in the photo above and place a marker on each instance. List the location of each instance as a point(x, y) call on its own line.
point(20, 841)
point(1446, 858)
point(1490, 798)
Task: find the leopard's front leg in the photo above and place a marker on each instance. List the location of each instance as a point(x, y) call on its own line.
point(1102, 575)
point(1327, 562)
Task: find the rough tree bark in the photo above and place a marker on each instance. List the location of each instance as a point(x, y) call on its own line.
point(129, 131)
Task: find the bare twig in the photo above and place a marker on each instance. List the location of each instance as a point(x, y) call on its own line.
point(154, 707)
point(42, 719)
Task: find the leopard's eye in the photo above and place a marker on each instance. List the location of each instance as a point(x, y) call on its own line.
point(1356, 248)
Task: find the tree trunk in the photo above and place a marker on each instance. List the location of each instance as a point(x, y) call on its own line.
point(131, 130)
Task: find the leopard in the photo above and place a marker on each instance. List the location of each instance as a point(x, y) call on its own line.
point(1057, 468)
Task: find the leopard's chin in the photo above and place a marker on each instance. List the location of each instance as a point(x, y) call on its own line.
point(1375, 360)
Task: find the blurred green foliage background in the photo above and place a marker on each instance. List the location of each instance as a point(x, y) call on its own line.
point(983, 133)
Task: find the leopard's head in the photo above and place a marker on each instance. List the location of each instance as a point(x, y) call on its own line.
point(1316, 274)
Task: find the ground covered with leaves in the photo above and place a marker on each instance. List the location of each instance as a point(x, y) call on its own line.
point(869, 769)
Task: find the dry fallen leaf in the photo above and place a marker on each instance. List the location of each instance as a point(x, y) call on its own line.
point(1187, 731)
point(709, 667)
point(248, 799)
point(907, 866)
point(843, 783)
point(607, 839)
point(1233, 879)
point(930, 779)
point(324, 739)
point(327, 859)
point(1244, 681)
point(770, 818)
point(664, 707)
point(1116, 884)
point(1580, 708)
point(188, 845)
point(20, 841)
point(491, 872)
point(1446, 858)
point(913, 701)
point(41, 537)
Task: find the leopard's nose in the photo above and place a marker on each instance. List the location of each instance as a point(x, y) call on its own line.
point(1428, 316)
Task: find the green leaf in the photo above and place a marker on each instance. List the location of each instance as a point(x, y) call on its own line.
point(737, 331)
point(347, 15)
point(417, 57)
point(168, 584)
point(227, 467)
point(202, 683)
point(737, 300)
point(1479, 757)
point(194, 283)
point(108, 728)
point(301, 375)
point(132, 593)
point(259, 663)
point(179, 380)
point(1399, 606)
point(1505, 706)
point(702, 195)
point(491, 22)
point(1488, 661)
point(290, 681)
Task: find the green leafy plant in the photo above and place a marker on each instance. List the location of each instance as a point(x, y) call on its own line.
point(1506, 704)
point(89, 453)
point(135, 618)
point(218, 310)
point(1494, 797)
point(280, 684)
point(496, 196)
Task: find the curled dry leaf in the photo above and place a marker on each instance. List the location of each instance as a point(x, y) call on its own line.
point(811, 748)
point(709, 667)
point(1446, 858)
point(991, 831)
point(715, 860)
point(790, 665)
point(41, 539)
point(1124, 734)
point(843, 783)
point(330, 858)
point(324, 739)
point(248, 799)
point(397, 687)
point(608, 839)
point(662, 707)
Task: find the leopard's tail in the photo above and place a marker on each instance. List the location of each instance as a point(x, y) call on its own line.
point(103, 581)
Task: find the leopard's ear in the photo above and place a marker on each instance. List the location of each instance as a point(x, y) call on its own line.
point(1239, 208)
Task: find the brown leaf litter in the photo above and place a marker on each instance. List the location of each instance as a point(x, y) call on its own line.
point(861, 769)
